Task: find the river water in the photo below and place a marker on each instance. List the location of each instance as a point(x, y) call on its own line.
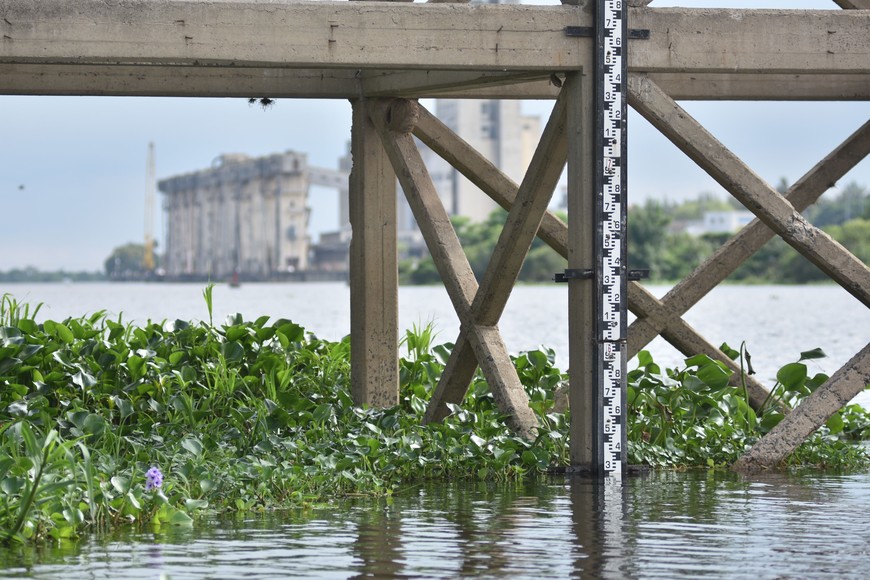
point(660, 525)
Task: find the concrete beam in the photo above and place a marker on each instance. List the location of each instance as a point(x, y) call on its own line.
point(450, 260)
point(832, 396)
point(853, 4)
point(214, 81)
point(756, 195)
point(374, 279)
point(187, 81)
point(286, 33)
point(554, 232)
point(580, 251)
point(751, 41)
point(58, 47)
point(748, 240)
point(763, 86)
point(428, 83)
point(522, 224)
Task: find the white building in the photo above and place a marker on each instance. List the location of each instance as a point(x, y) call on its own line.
point(720, 222)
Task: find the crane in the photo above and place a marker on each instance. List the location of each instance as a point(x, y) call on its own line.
point(150, 187)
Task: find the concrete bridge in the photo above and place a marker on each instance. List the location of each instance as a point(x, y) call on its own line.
point(383, 55)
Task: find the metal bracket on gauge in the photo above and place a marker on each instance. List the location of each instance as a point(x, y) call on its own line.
point(587, 31)
point(589, 274)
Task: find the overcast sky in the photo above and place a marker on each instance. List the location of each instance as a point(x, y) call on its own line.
point(72, 169)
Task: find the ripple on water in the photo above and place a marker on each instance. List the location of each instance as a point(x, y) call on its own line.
point(664, 525)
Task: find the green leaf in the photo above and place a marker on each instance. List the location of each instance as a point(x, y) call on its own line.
point(28, 326)
point(83, 380)
point(188, 374)
point(835, 423)
point(538, 359)
point(121, 483)
point(12, 485)
point(236, 332)
point(698, 360)
point(64, 334)
point(812, 354)
point(771, 420)
point(729, 352)
point(792, 376)
point(291, 331)
point(232, 351)
point(322, 412)
point(195, 504)
point(28, 351)
point(136, 366)
point(125, 407)
point(94, 425)
point(714, 376)
point(192, 445)
point(644, 358)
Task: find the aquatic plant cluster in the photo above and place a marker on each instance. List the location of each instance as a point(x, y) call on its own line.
point(103, 423)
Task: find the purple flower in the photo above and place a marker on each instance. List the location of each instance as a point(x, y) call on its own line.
point(153, 479)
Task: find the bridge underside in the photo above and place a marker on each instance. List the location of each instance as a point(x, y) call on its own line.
point(381, 56)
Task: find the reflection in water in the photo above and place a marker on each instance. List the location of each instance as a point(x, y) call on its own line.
point(662, 525)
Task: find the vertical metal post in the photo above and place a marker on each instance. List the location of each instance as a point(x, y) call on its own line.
point(609, 270)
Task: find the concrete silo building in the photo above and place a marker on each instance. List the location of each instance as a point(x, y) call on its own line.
point(242, 215)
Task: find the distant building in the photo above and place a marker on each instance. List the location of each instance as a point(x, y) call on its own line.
point(720, 222)
point(243, 215)
point(495, 128)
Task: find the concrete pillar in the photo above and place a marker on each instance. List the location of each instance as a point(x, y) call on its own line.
point(581, 255)
point(374, 280)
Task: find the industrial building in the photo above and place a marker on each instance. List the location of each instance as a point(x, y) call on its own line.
point(243, 216)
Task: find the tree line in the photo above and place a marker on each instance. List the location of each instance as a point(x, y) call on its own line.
point(658, 241)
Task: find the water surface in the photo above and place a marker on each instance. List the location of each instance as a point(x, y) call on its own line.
point(660, 525)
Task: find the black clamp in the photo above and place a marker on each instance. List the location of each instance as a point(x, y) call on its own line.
point(573, 274)
point(582, 31)
point(587, 274)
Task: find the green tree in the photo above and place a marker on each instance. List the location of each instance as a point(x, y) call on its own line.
point(855, 236)
point(126, 262)
point(648, 235)
point(852, 202)
point(693, 209)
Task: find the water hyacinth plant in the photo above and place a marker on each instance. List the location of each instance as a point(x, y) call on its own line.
point(153, 479)
point(251, 415)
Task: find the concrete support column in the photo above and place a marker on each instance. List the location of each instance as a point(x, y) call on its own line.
point(374, 280)
point(581, 255)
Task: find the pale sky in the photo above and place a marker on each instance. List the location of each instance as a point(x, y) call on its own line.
point(72, 169)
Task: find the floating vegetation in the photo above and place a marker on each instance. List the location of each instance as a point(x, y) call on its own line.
point(106, 424)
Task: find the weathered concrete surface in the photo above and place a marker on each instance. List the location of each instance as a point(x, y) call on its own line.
point(554, 232)
point(753, 192)
point(751, 238)
point(280, 48)
point(488, 348)
point(580, 251)
point(783, 439)
point(854, 4)
point(374, 283)
point(522, 224)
